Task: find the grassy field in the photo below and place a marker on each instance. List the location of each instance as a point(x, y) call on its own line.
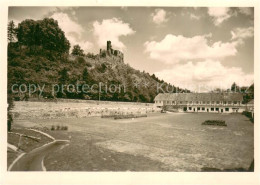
point(160, 142)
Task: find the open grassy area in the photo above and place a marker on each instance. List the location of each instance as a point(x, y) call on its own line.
point(160, 142)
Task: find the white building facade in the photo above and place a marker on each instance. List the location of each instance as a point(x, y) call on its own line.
point(201, 102)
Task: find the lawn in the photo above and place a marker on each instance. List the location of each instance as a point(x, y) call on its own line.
point(160, 142)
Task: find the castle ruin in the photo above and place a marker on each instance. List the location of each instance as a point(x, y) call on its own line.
point(110, 52)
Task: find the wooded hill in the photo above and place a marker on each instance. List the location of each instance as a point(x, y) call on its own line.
point(38, 53)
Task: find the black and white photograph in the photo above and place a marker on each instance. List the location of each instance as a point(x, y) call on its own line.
point(130, 89)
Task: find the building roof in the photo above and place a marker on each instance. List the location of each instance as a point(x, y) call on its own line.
point(199, 97)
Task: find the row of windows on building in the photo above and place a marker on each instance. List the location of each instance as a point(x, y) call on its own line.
point(211, 109)
point(198, 102)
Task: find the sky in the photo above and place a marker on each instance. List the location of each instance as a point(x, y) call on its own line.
point(198, 48)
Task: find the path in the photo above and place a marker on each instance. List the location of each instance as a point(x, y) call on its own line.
point(33, 161)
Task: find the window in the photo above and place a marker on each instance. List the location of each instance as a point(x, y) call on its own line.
point(212, 102)
point(204, 102)
point(180, 102)
point(217, 102)
point(225, 102)
point(197, 102)
point(208, 102)
point(217, 109)
point(198, 108)
point(212, 109)
point(235, 102)
point(190, 102)
point(203, 108)
point(229, 102)
point(173, 102)
point(227, 109)
point(190, 108)
point(168, 102)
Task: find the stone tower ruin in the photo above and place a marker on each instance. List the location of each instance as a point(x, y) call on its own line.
point(115, 54)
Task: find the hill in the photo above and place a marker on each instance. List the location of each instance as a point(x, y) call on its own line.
point(42, 60)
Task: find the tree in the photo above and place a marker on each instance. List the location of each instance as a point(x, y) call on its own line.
point(85, 75)
point(9, 108)
point(90, 55)
point(45, 33)
point(63, 76)
point(63, 79)
point(11, 35)
point(77, 51)
point(234, 87)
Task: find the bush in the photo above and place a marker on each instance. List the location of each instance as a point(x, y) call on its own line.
point(88, 64)
point(52, 127)
point(81, 60)
point(91, 55)
point(101, 67)
point(59, 127)
point(215, 122)
point(129, 116)
point(249, 115)
point(64, 128)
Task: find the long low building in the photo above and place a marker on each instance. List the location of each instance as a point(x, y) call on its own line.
point(201, 102)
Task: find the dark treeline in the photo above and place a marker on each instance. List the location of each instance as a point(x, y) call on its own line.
point(248, 92)
point(39, 36)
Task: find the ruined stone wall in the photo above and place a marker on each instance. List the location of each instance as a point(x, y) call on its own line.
point(117, 55)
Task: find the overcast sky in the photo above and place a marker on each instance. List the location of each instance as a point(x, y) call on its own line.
point(188, 47)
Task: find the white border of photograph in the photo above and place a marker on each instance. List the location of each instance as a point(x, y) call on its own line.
point(126, 177)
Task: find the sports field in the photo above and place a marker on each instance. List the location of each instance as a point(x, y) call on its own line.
point(160, 142)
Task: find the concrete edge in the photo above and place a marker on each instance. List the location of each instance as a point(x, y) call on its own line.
point(11, 166)
point(14, 148)
point(43, 133)
point(42, 163)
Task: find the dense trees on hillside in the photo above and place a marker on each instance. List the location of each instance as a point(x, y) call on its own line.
point(38, 53)
point(85, 75)
point(248, 93)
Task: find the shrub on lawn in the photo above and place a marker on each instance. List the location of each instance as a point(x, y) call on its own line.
point(59, 127)
point(64, 128)
point(52, 127)
point(215, 122)
point(129, 116)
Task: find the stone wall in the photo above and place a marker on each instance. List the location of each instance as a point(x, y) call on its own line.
point(77, 109)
